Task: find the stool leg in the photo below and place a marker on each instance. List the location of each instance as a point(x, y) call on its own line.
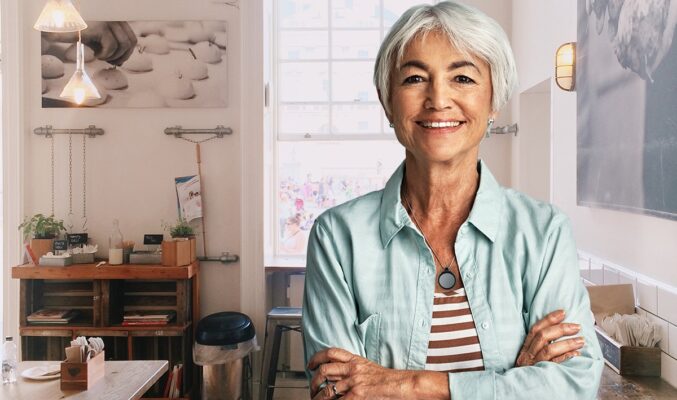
point(274, 358)
point(267, 351)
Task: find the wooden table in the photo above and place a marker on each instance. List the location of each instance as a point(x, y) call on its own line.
point(123, 380)
point(614, 386)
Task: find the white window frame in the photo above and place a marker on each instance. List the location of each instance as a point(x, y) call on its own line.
point(383, 135)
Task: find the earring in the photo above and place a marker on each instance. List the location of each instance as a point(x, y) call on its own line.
point(391, 125)
point(490, 122)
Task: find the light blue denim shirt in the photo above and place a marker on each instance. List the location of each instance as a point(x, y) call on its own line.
point(370, 279)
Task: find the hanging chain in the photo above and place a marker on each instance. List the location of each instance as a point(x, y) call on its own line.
point(199, 141)
point(70, 182)
point(52, 151)
point(84, 183)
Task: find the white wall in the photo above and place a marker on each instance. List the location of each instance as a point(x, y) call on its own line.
point(131, 168)
point(617, 247)
point(641, 243)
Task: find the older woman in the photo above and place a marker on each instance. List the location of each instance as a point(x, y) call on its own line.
point(439, 286)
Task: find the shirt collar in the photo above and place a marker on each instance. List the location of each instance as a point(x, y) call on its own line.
point(485, 214)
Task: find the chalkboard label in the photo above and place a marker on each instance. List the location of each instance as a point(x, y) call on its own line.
point(60, 245)
point(152, 239)
point(76, 239)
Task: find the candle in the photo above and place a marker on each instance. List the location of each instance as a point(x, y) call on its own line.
point(115, 256)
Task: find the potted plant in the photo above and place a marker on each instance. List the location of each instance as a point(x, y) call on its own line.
point(181, 229)
point(181, 249)
point(41, 230)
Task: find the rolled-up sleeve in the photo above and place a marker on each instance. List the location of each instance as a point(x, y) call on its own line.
point(557, 285)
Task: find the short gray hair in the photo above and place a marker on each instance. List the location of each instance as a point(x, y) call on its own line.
point(469, 30)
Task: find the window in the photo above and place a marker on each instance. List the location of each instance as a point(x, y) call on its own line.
point(333, 142)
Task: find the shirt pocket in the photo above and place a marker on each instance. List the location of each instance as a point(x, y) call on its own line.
point(369, 333)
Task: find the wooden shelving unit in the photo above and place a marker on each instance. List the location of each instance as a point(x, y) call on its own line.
point(101, 295)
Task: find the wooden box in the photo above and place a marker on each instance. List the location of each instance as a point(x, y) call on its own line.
point(625, 360)
point(82, 376)
point(178, 252)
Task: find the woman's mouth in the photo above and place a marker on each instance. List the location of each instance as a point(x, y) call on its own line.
point(439, 124)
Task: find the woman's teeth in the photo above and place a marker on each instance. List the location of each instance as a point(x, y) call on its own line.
point(447, 124)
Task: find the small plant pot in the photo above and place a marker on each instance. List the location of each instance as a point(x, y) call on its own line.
point(41, 247)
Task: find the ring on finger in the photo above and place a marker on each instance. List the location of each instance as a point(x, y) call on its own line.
point(337, 394)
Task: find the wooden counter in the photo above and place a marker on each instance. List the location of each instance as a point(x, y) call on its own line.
point(617, 387)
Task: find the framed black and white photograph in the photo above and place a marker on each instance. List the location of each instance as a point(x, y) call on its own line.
point(627, 106)
point(140, 64)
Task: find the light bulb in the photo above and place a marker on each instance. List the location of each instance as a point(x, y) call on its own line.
point(79, 95)
point(59, 18)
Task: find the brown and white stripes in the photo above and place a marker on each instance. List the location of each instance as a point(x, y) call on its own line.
point(454, 345)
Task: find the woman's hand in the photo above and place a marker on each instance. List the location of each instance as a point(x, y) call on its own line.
point(352, 377)
point(540, 344)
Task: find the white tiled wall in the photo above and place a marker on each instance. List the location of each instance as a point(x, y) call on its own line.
point(654, 299)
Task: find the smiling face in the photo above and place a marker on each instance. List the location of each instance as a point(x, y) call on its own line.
point(440, 100)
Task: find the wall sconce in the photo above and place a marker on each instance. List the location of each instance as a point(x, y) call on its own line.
point(565, 67)
point(59, 16)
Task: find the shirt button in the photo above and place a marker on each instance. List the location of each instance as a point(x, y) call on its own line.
point(485, 325)
point(423, 323)
point(468, 275)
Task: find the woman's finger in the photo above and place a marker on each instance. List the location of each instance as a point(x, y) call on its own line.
point(329, 371)
point(332, 354)
point(565, 357)
point(560, 348)
point(549, 334)
point(551, 319)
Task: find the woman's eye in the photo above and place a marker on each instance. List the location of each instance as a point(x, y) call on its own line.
point(413, 79)
point(463, 79)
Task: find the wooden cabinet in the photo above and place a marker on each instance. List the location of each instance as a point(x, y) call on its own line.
point(101, 295)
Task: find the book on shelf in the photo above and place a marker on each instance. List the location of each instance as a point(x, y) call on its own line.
point(145, 323)
point(52, 316)
point(148, 315)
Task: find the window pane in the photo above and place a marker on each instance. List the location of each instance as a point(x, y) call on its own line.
point(303, 13)
point(303, 45)
point(356, 118)
point(352, 81)
point(303, 119)
point(314, 176)
point(304, 81)
point(393, 9)
point(355, 44)
point(355, 14)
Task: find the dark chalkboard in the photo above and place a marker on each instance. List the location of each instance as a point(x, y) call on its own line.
point(76, 239)
point(60, 245)
point(152, 239)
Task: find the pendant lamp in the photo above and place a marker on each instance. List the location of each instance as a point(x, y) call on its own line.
point(80, 87)
point(59, 16)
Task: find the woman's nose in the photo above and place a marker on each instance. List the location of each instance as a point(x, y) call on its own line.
point(439, 96)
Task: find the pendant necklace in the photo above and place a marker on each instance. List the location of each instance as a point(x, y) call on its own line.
point(446, 279)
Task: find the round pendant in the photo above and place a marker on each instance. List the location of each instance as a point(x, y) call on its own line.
point(446, 279)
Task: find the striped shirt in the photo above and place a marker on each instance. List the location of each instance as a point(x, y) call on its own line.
point(454, 345)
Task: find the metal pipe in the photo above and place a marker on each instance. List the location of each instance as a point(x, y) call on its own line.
point(47, 131)
point(505, 129)
point(178, 131)
point(226, 258)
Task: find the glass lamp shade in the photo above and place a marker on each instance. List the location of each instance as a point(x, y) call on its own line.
point(565, 67)
point(80, 87)
point(59, 16)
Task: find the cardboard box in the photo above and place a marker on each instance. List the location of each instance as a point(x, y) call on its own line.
point(178, 252)
point(82, 376)
point(625, 360)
